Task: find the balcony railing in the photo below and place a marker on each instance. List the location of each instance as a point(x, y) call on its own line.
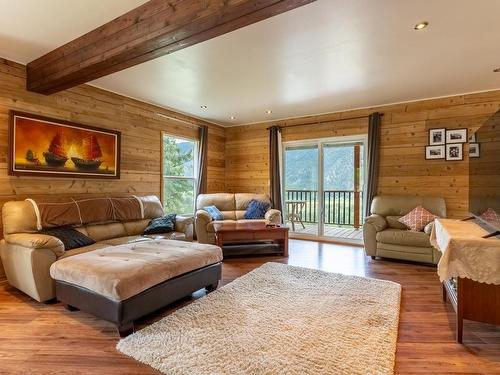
point(341, 207)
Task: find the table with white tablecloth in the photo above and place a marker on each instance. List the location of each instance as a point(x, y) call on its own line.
point(465, 253)
point(469, 269)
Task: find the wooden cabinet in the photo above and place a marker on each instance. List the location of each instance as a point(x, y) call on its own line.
point(473, 301)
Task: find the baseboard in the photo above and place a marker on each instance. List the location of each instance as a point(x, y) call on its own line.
point(336, 241)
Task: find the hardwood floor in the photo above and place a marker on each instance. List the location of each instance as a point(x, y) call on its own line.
point(46, 339)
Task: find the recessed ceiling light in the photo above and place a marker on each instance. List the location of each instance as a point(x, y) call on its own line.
point(497, 70)
point(269, 112)
point(203, 107)
point(232, 118)
point(421, 25)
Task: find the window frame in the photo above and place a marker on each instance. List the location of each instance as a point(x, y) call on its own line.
point(195, 167)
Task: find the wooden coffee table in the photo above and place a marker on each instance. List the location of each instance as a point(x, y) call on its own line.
point(251, 232)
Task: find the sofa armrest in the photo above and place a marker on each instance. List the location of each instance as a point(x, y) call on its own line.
point(273, 216)
point(204, 216)
point(372, 225)
point(184, 225)
point(36, 241)
point(377, 221)
point(201, 220)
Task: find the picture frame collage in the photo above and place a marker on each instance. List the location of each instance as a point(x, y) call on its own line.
point(448, 144)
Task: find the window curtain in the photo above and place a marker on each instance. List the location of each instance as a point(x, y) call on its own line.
point(373, 159)
point(275, 162)
point(202, 161)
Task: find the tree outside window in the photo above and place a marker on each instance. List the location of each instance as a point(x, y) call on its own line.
point(180, 157)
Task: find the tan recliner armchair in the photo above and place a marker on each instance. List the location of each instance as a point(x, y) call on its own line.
point(27, 255)
point(232, 207)
point(384, 236)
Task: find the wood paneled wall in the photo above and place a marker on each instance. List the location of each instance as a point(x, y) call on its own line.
point(138, 122)
point(403, 168)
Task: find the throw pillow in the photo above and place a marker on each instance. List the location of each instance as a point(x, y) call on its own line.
point(69, 236)
point(164, 224)
point(256, 209)
point(417, 219)
point(490, 215)
point(214, 212)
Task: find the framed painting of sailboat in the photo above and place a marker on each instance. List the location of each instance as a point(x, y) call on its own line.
point(42, 146)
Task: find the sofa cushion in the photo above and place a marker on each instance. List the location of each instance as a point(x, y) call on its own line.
point(70, 237)
point(417, 219)
point(393, 222)
point(136, 227)
point(229, 215)
point(242, 200)
point(404, 237)
point(120, 272)
point(214, 212)
point(100, 232)
point(223, 201)
point(164, 224)
point(240, 214)
point(257, 209)
point(399, 205)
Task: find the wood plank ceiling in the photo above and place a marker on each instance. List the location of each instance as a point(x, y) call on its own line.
point(154, 29)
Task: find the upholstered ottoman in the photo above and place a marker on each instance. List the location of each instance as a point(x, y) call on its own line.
point(122, 283)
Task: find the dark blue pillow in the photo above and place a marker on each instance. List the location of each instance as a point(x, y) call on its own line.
point(164, 224)
point(214, 212)
point(69, 236)
point(256, 209)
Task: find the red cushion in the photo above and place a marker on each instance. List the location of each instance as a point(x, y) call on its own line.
point(417, 219)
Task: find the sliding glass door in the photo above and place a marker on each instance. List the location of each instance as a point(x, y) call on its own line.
point(301, 187)
point(323, 187)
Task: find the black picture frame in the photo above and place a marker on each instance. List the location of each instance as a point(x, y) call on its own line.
point(437, 136)
point(450, 151)
point(451, 136)
point(477, 153)
point(429, 152)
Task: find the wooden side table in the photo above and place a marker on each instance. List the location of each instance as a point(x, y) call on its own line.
point(251, 232)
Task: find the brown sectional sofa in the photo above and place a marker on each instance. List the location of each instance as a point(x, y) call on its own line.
point(384, 236)
point(27, 254)
point(232, 207)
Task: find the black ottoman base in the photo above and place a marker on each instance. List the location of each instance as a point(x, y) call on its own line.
point(123, 313)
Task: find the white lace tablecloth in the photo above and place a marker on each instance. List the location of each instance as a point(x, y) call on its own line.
point(465, 253)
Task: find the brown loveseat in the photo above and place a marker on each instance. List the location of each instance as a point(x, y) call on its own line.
point(27, 254)
point(384, 236)
point(232, 207)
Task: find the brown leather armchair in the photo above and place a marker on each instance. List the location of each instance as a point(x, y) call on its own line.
point(384, 236)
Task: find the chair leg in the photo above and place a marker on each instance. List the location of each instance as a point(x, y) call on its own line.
point(303, 226)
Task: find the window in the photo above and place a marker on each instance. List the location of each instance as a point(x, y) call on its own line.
point(180, 157)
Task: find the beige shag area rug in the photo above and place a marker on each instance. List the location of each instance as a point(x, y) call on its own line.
point(278, 319)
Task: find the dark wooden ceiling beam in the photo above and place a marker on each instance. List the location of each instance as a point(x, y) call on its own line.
point(154, 29)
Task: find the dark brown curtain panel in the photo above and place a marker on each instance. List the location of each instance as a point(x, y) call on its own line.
point(202, 161)
point(275, 167)
point(373, 159)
